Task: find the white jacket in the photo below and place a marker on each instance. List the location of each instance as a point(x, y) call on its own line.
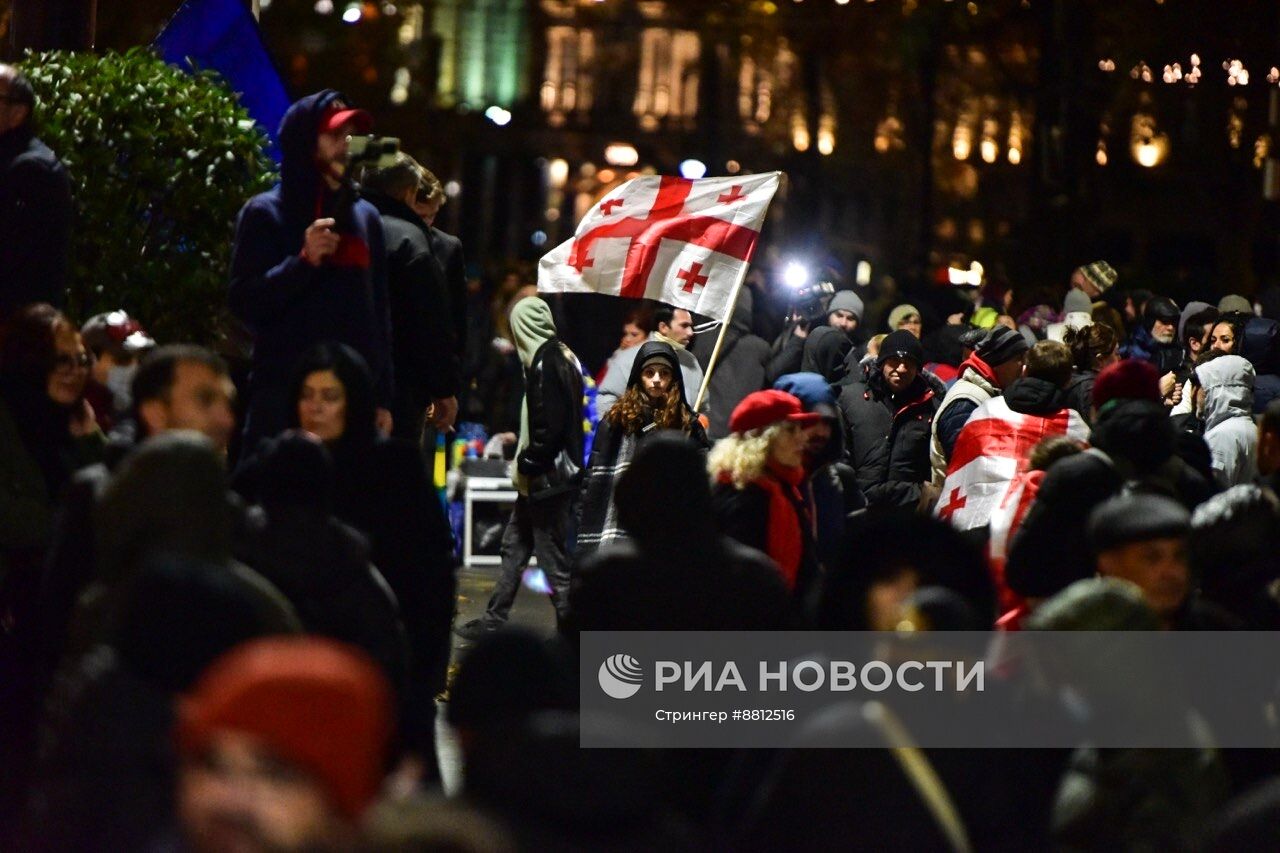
point(1229, 429)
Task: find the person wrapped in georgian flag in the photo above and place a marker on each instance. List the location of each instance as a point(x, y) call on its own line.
point(996, 441)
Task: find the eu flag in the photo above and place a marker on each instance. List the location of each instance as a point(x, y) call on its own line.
point(223, 36)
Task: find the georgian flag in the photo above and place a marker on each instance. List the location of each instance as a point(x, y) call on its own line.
point(683, 242)
point(990, 453)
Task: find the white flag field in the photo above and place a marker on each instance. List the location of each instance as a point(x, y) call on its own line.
point(684, 242)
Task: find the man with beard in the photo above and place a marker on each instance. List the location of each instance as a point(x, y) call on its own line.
point(1156, 340)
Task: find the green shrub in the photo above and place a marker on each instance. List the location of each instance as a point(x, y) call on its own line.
point(160, 163)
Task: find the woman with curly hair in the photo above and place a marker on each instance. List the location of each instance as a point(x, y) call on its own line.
point(758, 474)
point(654, 401)
point(1092, 348)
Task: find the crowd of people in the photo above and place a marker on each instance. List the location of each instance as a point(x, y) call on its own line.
point(225, 607)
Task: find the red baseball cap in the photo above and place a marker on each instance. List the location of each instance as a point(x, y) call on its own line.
point(766, 408)
point(337, 115)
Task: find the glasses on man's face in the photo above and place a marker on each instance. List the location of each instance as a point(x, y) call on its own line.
point(67, 363)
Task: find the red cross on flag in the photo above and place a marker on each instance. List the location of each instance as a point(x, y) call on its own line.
point(683, 242)
point(990, 453)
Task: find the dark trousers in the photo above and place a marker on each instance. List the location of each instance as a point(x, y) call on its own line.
point(535, 527)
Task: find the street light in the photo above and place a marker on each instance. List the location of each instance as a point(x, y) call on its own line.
point(621, 154)
point(353, 13)
point(693, 169)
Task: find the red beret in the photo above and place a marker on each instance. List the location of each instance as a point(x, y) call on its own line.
point(1131, 379)
point(766, 408)
point(316, 703)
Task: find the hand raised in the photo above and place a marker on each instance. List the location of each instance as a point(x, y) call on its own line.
point(319, 242)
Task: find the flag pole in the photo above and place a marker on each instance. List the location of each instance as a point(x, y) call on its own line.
point(715, 353)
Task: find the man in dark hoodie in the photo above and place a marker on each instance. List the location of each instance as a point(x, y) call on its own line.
point(309, 264)
point(423, 350)
point(740, 369)
point(827, 353)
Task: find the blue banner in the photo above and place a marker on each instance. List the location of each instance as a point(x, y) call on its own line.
point(223, 36)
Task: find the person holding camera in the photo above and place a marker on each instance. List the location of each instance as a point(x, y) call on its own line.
point(309, 264)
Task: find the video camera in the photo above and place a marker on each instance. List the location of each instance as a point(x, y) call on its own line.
point(363, 152)
point(810, 301)
point(375, 152)
point(809, 298)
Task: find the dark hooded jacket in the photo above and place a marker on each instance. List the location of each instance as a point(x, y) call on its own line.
point(35, 222)
point(888, 436)
point(289, 305)
point(825, 353)
point(612, 453)
point(424, 352)
point(1260, 343)
point(740, 369)
point(1132, 447)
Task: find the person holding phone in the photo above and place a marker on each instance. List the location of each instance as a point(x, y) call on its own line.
point(298, 278)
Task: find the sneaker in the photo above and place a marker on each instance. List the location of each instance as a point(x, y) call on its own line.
point(477, 628)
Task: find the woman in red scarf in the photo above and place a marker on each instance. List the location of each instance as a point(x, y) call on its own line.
point(757, 473)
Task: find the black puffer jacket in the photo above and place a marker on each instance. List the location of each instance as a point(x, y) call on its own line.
point(888, 436)
point(553, 389)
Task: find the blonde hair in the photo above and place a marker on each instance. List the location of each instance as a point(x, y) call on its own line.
point(743, 455)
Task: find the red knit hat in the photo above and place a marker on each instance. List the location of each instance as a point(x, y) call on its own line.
point(1131, 379)
point(318, 704)
point(766, 408)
